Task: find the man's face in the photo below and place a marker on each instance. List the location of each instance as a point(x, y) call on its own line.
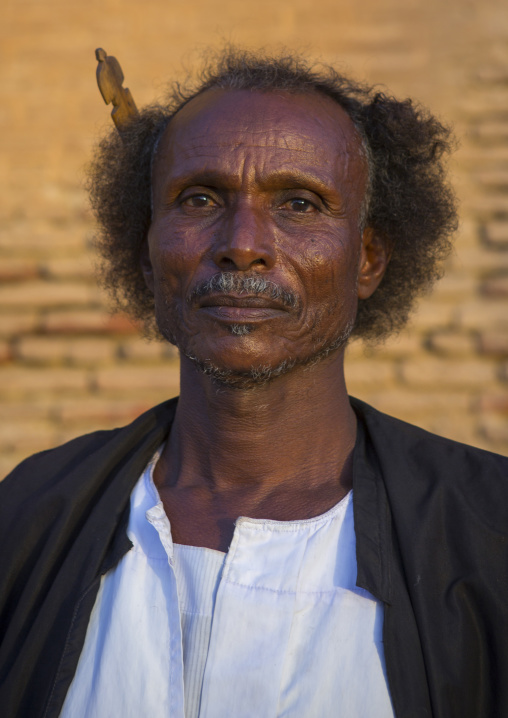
point(259, 186)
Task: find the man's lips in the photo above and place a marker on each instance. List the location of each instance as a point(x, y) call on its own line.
point(241, 307)
point(232, 300)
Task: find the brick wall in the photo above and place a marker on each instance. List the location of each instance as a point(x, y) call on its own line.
point(67, 366)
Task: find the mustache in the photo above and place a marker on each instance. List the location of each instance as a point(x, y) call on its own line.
point(229, 282)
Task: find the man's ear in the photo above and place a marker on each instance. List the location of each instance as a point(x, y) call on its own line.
point(146, 265)
point(374, 258)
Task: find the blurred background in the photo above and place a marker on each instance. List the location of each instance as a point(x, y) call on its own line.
point(67, 366)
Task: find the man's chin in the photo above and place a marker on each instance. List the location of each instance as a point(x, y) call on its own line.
point(252, 378)
point(257, 375)
point(263, 374)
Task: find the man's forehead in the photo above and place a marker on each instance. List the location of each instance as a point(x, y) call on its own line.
point(225, 120)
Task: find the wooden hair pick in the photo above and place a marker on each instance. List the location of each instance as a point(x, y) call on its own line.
point(110, 80)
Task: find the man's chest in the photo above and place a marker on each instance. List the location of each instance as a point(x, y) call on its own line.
point(288, 632)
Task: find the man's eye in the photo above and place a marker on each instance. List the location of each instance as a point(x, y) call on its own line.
point(199, 200)
point(300, 205)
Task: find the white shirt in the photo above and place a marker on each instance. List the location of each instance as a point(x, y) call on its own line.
point(289, 633)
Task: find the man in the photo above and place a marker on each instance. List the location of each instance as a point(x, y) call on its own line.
point(265, 545)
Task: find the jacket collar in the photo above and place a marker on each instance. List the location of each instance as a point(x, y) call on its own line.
point(371, 515)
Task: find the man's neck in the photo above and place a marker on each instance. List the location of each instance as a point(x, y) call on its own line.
point(295, 432)
point(281, 451)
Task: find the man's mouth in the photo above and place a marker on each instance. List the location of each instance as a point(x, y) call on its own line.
point(232, 289)
point(231, 307)
point(234, 300)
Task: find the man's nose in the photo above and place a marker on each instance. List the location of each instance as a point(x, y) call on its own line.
point(246, 241)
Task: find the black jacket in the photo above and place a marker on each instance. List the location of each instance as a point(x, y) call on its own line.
point(431, 531)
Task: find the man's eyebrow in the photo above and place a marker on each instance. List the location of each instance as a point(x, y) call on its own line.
point(292, 179)
point(207, 178)
point(273, 180)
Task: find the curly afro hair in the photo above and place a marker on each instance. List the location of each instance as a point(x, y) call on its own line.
point(409, 202)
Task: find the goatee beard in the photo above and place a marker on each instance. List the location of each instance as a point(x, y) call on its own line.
point(262, 375)
point(240, 330)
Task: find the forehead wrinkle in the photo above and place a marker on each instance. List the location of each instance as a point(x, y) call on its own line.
point(316, 142)
point(277, 135)
point(204, 150)
point(210, 114)
point(240, 145)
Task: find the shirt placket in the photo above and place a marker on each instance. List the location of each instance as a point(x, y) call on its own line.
point(250, 628)
point(157, 517)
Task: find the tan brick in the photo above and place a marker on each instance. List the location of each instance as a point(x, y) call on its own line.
point(26, 238)
point(490, 204)
point(29, 436)
point(409, 404)
point(491, 132)
point(485, 314)
point(87, 322)
point(13, 324)
point(32, 410)
point(442, 374)
point(363, 374)
point(15, 269)
point(495, 235)
point(355, 350)
point(485, 101)
point(47, 294)
point(468, 231)
point(142, 350)
point(453, 343)
point(493, 179)
point(5, 351)
point(80, 267)
point(495, 287)
point(480, 260)
point(170, 352)
point(57, 202)
point(40, 350)
point(164, 379)
point(493, 342)
point(388, 33)
point(489, 156)
point(492, 74)
point(98, 412)
point(55, 213)
point(433, 315)
point(495, 429)
point(18, 381)
point(45, 349)
point(91, 351)
point(407, 343)
point(493, 402)
point(455, 287)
